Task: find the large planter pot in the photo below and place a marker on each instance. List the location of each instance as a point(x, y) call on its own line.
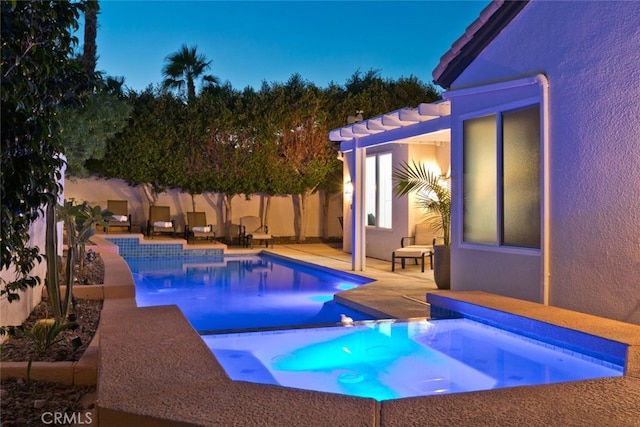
point(442, 266)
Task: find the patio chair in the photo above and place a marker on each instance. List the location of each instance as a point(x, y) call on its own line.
point(416, 247)
point(160, 221)
point(251, 229)
point(121, 215)
point(197, 227)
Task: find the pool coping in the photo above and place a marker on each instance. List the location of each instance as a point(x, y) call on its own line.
point(154, 369)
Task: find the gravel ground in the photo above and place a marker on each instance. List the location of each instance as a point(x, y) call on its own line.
point(20, 347)
point(45, 403)
point(24, 406)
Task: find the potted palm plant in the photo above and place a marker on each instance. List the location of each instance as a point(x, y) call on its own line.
point(434, 196)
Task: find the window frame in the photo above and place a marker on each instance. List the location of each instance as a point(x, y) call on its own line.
point(498, 111)
point(379, 200)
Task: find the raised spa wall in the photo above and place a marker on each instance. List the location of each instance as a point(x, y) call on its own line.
point(155, 370)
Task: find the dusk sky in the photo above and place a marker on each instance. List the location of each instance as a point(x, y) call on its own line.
point(249, 42)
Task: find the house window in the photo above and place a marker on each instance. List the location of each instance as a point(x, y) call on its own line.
point(379, 190)
point(501, 181)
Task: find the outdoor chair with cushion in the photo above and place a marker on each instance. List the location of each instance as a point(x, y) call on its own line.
point(416, 247)
point(160, 221)
point(197, 227)
point(251, 229)
point(121, 215)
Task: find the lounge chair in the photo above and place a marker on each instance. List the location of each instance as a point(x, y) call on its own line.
point(251, 229)
point(160, 221)
point(121, 215)
point(197, 227)
point(416, 247)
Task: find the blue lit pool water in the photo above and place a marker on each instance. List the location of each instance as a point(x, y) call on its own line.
point(389, 360)
point(243, 292)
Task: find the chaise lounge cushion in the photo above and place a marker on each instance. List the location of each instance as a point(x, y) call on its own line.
point(411, 252)
point(163, 224)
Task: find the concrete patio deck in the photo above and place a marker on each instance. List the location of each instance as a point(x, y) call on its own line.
point(397, 295)
point(156, 371)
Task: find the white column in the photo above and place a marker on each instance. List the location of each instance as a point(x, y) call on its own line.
point(358, 240)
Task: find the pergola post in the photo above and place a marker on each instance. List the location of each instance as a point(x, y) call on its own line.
point(358, 238)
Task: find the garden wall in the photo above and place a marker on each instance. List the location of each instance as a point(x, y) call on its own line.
point(97, 191)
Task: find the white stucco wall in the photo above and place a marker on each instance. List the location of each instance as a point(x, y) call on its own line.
point(381, 242)
point(16, 312)
point(590, 53)
point(508, 271)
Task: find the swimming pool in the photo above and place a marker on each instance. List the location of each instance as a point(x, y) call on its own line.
point(248, 292)
point(388, 360)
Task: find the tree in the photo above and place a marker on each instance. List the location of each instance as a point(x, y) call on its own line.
point(209, 133)
point(260, 120)
point(114, 86)
point(374, 95)
point(309, 159)
point(184, 68)
point(150, 150)
point(232, 153)
point(226, 159)
point(305, 156)
point(268, 142)
point(85, 130)
point(331, 185)
point(37, 75)
point(89, 57)
point(232, 167)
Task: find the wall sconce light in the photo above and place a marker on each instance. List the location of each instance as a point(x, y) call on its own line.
point(348, 191)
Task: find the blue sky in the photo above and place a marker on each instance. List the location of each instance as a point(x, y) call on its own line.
point(249, 42)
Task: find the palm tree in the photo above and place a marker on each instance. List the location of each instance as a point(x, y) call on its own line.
point(184, 67)
point(433, 193)
point(89, 57)
point(115, 86)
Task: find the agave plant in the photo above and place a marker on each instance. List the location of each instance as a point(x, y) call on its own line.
point(45, 333)
point(433, 193)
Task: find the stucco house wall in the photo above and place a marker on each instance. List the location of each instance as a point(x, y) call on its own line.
point(590, 54)
point(380, 242)
point(16, 312)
